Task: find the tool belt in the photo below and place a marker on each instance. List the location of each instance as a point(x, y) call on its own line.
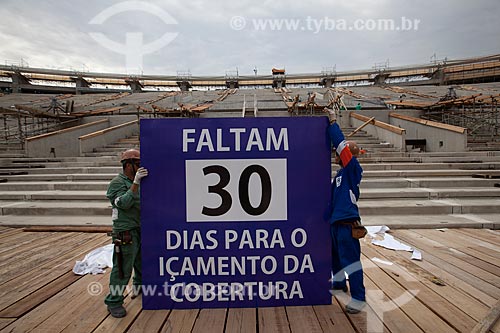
point(358, 231)
point(119, 239)
point(124, 236)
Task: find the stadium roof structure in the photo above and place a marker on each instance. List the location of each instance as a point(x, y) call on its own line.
point(43, 80)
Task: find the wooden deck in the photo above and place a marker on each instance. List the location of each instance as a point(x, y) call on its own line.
point(453, 289)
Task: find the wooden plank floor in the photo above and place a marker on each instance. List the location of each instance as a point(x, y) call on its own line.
point(452, 289)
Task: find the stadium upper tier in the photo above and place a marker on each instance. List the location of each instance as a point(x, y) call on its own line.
point(27, 79)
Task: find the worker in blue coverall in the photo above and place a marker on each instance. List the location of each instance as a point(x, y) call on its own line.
point(346, 250)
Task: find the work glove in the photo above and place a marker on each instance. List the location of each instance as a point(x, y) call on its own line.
point(332, 116)
point(141, 173)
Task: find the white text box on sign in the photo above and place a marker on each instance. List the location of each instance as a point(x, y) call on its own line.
point(236, 190)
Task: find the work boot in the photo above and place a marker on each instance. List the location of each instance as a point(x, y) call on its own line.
point(354, 306)
point(337, 290)
point(118, 311)
point(136, 291)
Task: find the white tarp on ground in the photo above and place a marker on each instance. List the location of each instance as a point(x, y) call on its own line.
point(380, 237)
point(95, 261)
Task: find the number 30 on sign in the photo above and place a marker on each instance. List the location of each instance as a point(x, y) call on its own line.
point(236, 190)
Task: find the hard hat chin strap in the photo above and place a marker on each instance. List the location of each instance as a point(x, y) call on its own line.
point(128, 161)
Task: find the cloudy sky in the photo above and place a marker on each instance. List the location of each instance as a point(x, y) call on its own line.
point(214, 37)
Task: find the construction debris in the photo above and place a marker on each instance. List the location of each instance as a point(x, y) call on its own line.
point(97, 112)
point(370, 121)
point(163, 96)
point(107, 98)
point(40, 113)
point(400, 90)
point(226, 93)
point(349, 92)
point(295, 106)
point(437, 281)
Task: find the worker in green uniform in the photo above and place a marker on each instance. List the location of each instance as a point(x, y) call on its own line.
point(124, 195)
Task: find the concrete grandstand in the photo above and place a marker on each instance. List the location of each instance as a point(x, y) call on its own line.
point(432, 144)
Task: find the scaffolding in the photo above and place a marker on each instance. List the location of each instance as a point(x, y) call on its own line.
point(22, 122)
point(477, 113)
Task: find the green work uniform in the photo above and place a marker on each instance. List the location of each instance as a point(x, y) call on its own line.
point(126, 217)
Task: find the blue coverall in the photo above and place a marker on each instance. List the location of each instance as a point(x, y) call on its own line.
point(346, 251)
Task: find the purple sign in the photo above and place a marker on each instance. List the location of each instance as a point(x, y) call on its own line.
point(234, 212)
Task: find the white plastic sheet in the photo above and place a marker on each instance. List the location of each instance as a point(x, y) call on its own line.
point(389, 242)
point(380, 237)
point(417, 255)
point(95, 261)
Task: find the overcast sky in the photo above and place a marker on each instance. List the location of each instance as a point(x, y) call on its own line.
point(214, 37)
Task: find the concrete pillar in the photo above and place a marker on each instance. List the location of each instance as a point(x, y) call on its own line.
point(232, 84)
point(80, 83)
point(18, 80)
point(184, 85)
point(344, 119)
point(327, 82)
point(135, 85)
point(279, 82)
point(380, 79)
point(438, 76)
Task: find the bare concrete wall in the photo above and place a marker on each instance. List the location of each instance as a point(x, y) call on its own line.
point(107, 136)
point(437, 139)
point(63, 143)
point(343, 119)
